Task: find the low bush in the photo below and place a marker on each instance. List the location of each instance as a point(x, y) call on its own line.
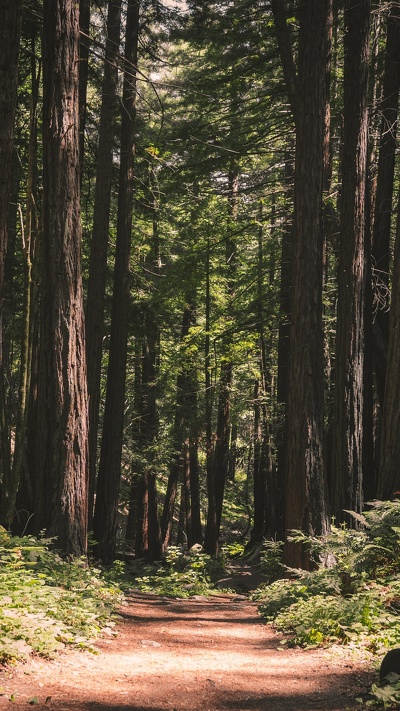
point(352, 596)
point(47, 602)
point(180, 574)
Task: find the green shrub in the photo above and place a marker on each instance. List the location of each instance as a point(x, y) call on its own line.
point(353, 595)
point(47, 602)
point(179, 575)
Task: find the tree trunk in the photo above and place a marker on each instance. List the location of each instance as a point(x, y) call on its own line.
point(186, 407)
point(388, 476)
point(285, 296)
point(350, 340)
point(211, 532)
point(62, 461)
point(84, 45)
point(148, 541)
point(259, 479)
point(106, 510)
point(384, 194)
point(29, 228)
point(10, 28)
point(221, 450)
point(306, 506)
point(98, 251)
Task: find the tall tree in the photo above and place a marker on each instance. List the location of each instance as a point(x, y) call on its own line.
point(306, 505)
point(222, 444)
point(101, 223)
point(388, 475)
point(29, 230)
point(350, 339)
point(10, 29)
point(106, 510)
point(388, 108)
point(84, 45)
point(62, 428)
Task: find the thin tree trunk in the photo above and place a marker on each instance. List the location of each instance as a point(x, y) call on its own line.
point(182, 423)
point(211, 532)
point(221, 450)
point(29, 229)
point(347, 453)
point(196, 529)
point(106, 510)
point(10, 29)
point(384, 193)
point(101, 223)
point(84, 45)
point(388, 476)
point(285, 294)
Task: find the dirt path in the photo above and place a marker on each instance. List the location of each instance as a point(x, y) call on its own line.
point(192, 655)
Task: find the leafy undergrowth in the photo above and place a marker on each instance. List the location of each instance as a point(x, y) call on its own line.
point(352, 596)
point(47, 602)
point(180, 575)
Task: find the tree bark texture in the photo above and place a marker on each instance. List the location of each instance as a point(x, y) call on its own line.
point(84, 45)
point(350, 339)
point(384, 194)
point(99, 245)
point(108, 484)
point(62, 464)
point(389, 476)
point(306, 505)
point(10, 29)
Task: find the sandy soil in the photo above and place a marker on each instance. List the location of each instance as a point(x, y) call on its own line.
point(192, 655)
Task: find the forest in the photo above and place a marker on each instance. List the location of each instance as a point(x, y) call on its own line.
point(199, 271)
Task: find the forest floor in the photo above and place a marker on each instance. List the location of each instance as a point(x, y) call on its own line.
point(198, 654)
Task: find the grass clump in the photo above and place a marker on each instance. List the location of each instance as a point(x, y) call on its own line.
point(47, 602)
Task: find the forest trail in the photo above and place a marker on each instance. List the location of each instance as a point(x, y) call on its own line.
point(201, 654)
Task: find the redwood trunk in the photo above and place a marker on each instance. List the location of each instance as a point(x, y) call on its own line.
point(347, 455)
point(62, 463)
point(106, 510)
point(306, 507)
point(10, 28)
point(101, 223)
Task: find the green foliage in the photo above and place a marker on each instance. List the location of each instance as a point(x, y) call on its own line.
point(386, 695)
point(233, 550)
point(271, 558)
point(352, 596)
point(179, 575)
point(47, 602)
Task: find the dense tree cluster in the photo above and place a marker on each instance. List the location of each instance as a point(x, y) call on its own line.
point(199, 267)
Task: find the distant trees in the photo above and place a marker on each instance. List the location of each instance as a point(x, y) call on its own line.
point(230, 226)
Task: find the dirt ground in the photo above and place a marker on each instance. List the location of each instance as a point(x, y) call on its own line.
point(189, 655)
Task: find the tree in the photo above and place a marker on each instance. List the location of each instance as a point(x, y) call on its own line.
point(384, 191)
point(350, 338)
point(99, 245)
point(388, 476)
point(106, 509)
point(306, 504)
point(62, 427)
point(10, 28)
